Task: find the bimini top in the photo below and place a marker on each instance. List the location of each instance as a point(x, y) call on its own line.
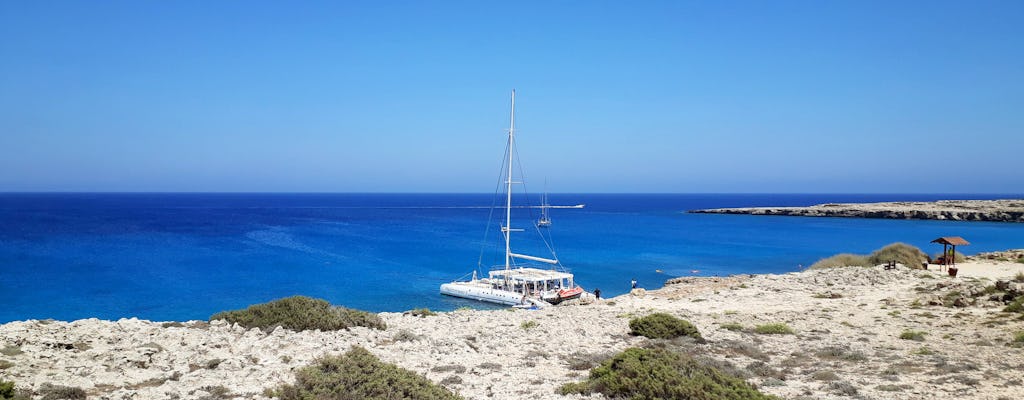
point(530, 274)
point(952, 240)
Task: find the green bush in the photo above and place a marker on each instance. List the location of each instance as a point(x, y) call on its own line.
point(358, 374)
point(774, 329)
point(6, 390)
point(661, 374)
point(909, 256)
point(1019, 337)
point(300, 313)
point(842, 260)
point(732, 326)
point(662, 326)
point(1016, 306)
point(912, 335)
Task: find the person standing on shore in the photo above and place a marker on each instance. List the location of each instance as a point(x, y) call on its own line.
point(597, 293)
point(633, 283)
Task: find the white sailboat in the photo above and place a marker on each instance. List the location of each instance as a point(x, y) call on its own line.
point(513, 283)
point(544, 220)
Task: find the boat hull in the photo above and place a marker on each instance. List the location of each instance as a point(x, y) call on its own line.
point(479, 292)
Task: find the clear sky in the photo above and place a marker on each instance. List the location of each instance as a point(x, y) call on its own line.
point(382, 96)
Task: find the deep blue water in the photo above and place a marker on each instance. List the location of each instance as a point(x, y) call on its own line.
point(187, 256)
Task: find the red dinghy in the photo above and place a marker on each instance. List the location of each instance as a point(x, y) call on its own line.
point(566, 294)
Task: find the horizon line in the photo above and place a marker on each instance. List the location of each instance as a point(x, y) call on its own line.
point(461, 192)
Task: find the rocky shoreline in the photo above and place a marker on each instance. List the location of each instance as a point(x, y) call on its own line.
point(867, 333)
point(953, 210)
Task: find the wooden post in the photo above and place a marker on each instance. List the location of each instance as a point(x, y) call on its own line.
point(945, 260)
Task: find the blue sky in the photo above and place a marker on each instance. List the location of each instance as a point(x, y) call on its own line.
point(677, 96)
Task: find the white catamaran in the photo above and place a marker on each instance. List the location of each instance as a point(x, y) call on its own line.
point(513, 283)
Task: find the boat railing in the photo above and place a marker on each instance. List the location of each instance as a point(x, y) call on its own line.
point(546, 267)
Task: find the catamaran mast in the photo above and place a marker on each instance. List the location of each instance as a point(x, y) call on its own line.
point(508, 188)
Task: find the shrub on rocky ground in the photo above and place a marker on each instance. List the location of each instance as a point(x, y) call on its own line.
point(912, 335)
point(909, 256)
point(6, 390)
point(57, 392)
point(662, 326)
point(1018, 338)
point(11, 351)
point(300, 313)
point(842, 260)
point(661, 374)
point(579, 361)
point(358, 374)
point(824, 375)
point(1016, 306)
point(774, 329)
point(421, 312)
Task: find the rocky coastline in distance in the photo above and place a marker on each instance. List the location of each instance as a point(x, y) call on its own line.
point(1008, 210)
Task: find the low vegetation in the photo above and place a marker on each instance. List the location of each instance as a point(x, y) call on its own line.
point(774, 329)
point(1018, 338)
point(58, 392)
point(582, 361)
point(912, 335)
point(902, 253)
point(638, 373)
point(527, 325)
point(421, 312)
point(358, 374)
point(842, 260)
point(300, 313)
point(7, 392)
point(11, 351)
point(1015, 306)
point(732, 326)
point(662, 326)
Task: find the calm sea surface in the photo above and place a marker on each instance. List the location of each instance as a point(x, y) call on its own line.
point(187, 256)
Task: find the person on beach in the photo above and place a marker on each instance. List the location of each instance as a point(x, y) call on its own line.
point(633, 283)
point(597, 293)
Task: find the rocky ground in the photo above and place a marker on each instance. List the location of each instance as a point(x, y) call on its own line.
point(846, 343)
point(956, 210)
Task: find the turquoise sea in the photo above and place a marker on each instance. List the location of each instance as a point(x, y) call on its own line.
point(187, 256)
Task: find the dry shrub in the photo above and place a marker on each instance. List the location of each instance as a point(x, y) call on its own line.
point(842, 260)
point(909, 256)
